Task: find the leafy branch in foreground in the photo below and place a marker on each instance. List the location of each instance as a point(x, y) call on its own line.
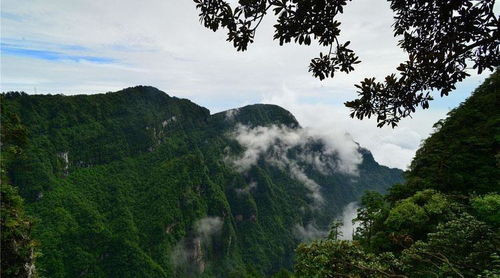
point(442, 38)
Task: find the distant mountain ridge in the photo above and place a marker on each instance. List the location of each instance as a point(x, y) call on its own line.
point(137, 183)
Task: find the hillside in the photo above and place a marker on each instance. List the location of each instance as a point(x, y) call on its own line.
point(443, 221)
point(136, 183)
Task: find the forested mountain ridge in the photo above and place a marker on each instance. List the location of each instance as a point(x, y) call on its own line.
point(443, 221)
point(464, 151)
point(140, 184)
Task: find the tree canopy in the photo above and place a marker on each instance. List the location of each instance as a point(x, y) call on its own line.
point(442, 39)
point(429, 227)
point(136, 183)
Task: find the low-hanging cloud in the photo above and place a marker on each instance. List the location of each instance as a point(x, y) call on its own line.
point(246, 189)
point(187, 253)
point(275, 141)
point(349, 212)
point(311, 185)
point(208, 226)
point(332, 153)
point(311, 232)
point(308, 233)
point(231, 113)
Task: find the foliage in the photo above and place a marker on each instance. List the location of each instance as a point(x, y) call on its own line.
point(434, 224)
point(414, 215)
point(338, 258)
point(17, 247)
point(334, 231)
point(460, 157)
point(120, 183)
point(18, 255)
point(487, 208)
point(283, 274)
point(441, 39)
point(461, 247)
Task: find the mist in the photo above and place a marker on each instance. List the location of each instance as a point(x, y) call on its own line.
point(308, 233)
point(339, 153)
point(349, 212)
point(187, 254)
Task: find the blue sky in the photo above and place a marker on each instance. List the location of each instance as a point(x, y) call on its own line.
point(24, 51)
point(75, 47)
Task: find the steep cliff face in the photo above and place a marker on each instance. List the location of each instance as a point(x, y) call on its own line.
point(140, 184)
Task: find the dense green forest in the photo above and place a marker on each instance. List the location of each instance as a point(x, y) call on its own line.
point(139, 184)
point(443, 221)
point(136, 183)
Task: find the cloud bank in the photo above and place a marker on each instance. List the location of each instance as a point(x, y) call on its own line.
point(275, 141)
point(311, 232)
point(246, 189)
point(337, 153)
point(166, 46)
point(390, 147)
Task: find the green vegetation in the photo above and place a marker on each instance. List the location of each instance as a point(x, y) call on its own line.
point(134, 184)
point(17, 246)
point(444, 40)
point(443, 221)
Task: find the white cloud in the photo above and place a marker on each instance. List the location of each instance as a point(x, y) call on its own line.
point(166, 42)
point(231, 113)
point(339, 154)
point(187, 254)
point(259, 140)
point(278, 140)
point(311, 185)
point(391, 147)
point(161, 43)
point(246, 189)
point(208, 226)
point(348, 214)
point(308, 233)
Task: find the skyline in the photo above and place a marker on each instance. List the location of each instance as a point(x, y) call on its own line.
point(84, 47)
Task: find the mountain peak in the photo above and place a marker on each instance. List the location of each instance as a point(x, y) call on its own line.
point(148, 170)
point(258, 115)
point(141, 90)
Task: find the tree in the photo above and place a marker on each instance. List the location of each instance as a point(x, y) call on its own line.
point(414, 216)
point(18, 249)
point(442, 39)
point(342, 258)
point(428, 228)
point(461, 247)
point(335, 231)
point(370, 216)
point(487, 208)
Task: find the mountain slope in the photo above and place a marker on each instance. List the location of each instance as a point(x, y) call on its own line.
point(140, 184)
point(443, 221)
point(462, 156)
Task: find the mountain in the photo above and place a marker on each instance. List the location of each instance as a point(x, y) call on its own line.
point(443, 221)
point(137, 183)
point(463, 153)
